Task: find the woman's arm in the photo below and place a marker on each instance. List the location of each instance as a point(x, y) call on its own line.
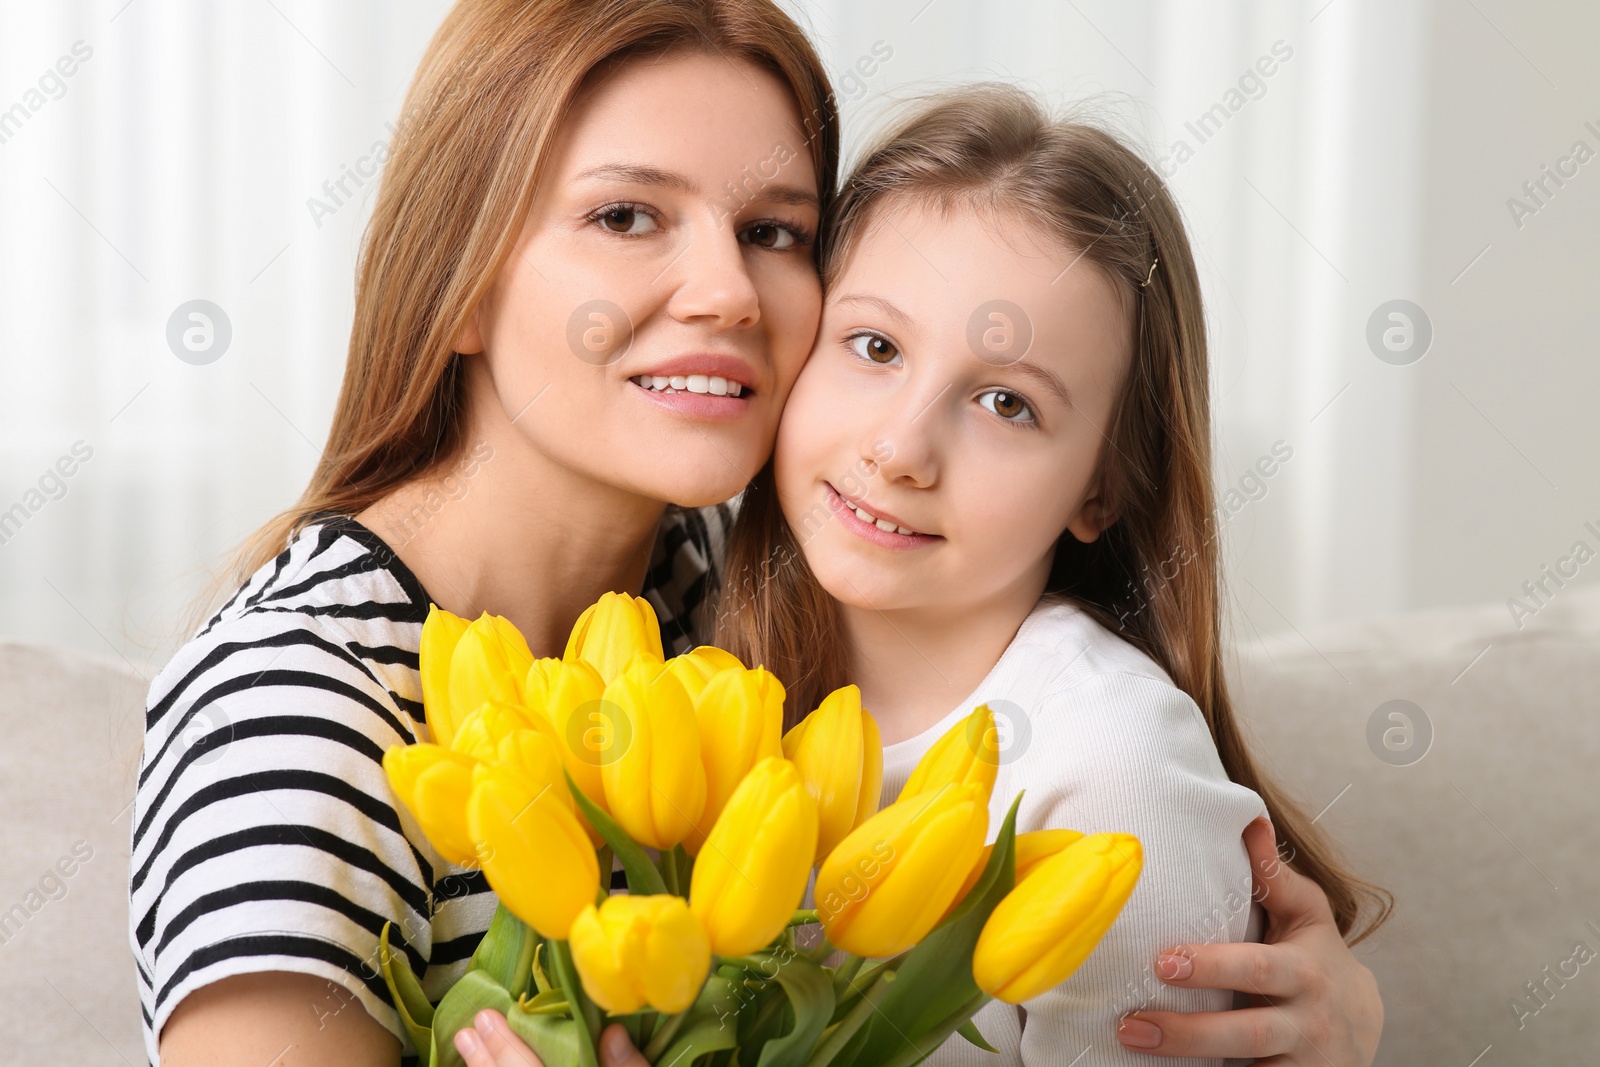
point(1323, 1005)
point(277, 1018)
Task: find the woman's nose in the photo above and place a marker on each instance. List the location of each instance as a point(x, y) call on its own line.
point(711, 280)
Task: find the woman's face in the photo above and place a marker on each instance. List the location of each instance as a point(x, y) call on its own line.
point(947, 428)
point(663, 294)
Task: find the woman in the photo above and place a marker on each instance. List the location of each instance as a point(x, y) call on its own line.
point(585, 292)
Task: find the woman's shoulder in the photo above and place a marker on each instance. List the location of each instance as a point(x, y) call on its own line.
point(686, 567)
point(334, 617)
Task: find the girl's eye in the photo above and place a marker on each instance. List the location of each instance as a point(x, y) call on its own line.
point(1008, 406)
point(772, 235)
point(874, 347)
point(625, 219)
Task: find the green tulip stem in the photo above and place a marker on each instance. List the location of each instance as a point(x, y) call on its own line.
point(604, 856)
point(804, 917)
point(669, 872)
point(840, 1035)
point(845, 974)
point(647, 1025)
point(583, 1009)
point(663, 1036)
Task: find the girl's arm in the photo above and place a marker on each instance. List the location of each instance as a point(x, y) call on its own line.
point(1325, 1008)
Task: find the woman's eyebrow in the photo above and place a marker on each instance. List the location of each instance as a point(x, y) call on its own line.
point(644, 174)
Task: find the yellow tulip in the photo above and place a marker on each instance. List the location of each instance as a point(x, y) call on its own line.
point(638, 950)
point(968, 752)
point(752, 873)
point(569, 695)
point(697, 667)
point(488, 664)
point(892, 879)
point(740, 718)
point(478, 734)
point(440, 633)
point(534, 851)
point(1045, 927)
point(1032, 849)
point(840, 755)
point(655, 783)
point(611, 631)
point(433, 783)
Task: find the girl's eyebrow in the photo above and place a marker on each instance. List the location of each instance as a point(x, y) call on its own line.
point(644, 174)
point(1045, 377)
point(877, 303)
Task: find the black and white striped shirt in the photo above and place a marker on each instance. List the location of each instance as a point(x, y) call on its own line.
point(265, 834)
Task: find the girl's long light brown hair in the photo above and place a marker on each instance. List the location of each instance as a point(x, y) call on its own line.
point(1153, 577)
point(471, 146)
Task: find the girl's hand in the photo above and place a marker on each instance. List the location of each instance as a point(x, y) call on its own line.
point(492, 1044)
point(1322, 1006)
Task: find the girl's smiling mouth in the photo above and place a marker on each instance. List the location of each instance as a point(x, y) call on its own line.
point(880, 530)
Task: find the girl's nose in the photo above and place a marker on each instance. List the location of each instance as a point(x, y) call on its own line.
point(903, 444)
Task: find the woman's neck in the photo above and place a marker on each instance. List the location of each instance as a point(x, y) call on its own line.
point(913, 665)
point(515, 533)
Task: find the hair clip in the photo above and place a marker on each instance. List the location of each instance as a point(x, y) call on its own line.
point(1152, 273)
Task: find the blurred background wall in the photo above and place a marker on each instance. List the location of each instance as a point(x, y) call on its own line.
point(1392, 205)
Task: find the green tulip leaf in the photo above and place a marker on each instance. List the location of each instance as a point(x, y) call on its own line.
point(506, 951)
point(970, 1031)
point(554, 1038)
point(643, 878)
point(412, 1004)
point(810, 993)
point(472, 993)
point(920, 1048)
point(697, 1039)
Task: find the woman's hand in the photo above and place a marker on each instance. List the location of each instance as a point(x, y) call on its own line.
point(490, 1043)
point(1321, 1005)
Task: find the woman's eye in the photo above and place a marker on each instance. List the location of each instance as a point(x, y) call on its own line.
point(625, 219)
point(1008, 406)
point(872, 346)
point(770, 235)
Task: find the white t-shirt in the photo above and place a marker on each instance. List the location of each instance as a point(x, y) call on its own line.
point(1099, 739)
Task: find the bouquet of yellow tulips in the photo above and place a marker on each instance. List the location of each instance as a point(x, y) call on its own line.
point(547, 773)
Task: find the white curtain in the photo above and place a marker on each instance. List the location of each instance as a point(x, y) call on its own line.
point(196, 152)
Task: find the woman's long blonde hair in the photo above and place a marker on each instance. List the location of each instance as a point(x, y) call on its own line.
point(1153, 577)
point(469, 152)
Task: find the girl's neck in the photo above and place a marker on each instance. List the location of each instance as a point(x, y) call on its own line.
point(914, 665)
point(520, 535)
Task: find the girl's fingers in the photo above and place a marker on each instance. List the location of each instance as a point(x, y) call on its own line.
point(1290, 898)
point(1247, 1033)
point(1245, 966)
point(490, 1043)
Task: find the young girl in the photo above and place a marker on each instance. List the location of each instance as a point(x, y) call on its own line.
point(998, 444)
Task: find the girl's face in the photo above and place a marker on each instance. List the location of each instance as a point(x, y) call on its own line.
point(663, 294)
point(947, 427)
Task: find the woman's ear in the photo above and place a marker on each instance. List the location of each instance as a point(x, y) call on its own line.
point(1093, 518)
point(470, 340)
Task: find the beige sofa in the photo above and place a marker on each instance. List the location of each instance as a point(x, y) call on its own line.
point(1487, 841)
